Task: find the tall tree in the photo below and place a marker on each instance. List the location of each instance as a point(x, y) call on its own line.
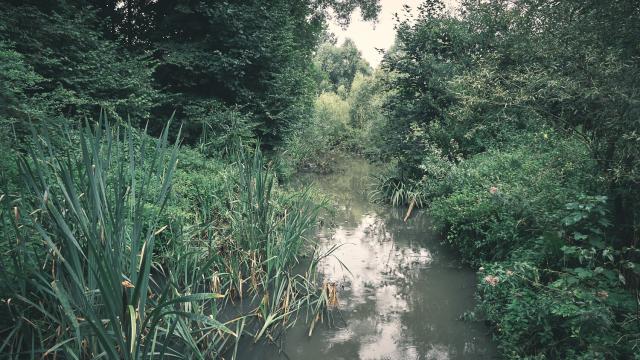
point(338, 65)
point(254, 55)
point(427, 54)
point(468, 83)
point(79, 70)
point(573, 65)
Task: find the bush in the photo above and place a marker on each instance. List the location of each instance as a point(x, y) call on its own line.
point(496, 201)
point(473, 99)
point(550, 283)
point(328, 132)
point(566, 304)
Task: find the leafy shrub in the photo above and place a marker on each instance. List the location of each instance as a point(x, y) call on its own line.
point(546, 320)
point(327, 132)
point(551, 283)
point(494, 202)
point(516, 125)
point(575, 307)
point(219, 128)
point(367, 115)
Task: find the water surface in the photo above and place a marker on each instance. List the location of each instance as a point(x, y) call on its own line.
point(401, 294)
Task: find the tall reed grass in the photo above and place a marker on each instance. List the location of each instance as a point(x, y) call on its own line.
point(84, 284)
point(396, 191)
point(82, 276)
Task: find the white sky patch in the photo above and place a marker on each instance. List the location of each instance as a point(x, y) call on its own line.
point(368, 35)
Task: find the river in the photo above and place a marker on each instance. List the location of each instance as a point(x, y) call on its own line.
point(403, 293)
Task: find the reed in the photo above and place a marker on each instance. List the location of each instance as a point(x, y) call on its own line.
point(396, 191)
point(271, 230)
point(94, 268)
point(85, 284)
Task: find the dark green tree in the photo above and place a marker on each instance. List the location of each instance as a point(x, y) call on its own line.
point(252, 56)
point(78, 70)
point(427, 54)
point(572, 65)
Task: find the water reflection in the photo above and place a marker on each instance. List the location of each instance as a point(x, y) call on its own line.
point(400, 292)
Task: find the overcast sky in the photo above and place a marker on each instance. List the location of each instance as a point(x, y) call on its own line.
point(368, 36)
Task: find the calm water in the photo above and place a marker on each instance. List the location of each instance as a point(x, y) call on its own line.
point(402, 295)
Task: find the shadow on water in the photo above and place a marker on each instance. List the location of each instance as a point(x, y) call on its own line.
point(402, 295)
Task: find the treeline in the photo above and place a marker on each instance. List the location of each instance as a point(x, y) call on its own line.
point(232, 67)
point(347, 113)
point(516, 123)
point(126, 235)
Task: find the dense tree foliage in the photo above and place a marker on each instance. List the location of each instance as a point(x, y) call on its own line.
point(346, 110)
point(77, 71)
point(467, 83)
point(427, 55)
point(255, 54)
point(208, 62)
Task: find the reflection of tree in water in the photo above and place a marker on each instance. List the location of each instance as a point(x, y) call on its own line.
point(405, 291)
point(347, 188)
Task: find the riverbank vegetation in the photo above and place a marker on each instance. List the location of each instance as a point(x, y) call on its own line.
point(347, 110)
point(141, 211)
point(144, 147)
point(515, 123)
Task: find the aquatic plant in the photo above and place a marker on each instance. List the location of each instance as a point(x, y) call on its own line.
point(85, 278)
point(92, 222)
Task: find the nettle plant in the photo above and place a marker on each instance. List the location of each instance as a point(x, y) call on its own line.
point(574, 300)
point(589, 254)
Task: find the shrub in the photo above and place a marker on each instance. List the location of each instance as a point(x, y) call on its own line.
point(572, 304)
point(496, 201)
point(313, 144)
point(551, 282)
